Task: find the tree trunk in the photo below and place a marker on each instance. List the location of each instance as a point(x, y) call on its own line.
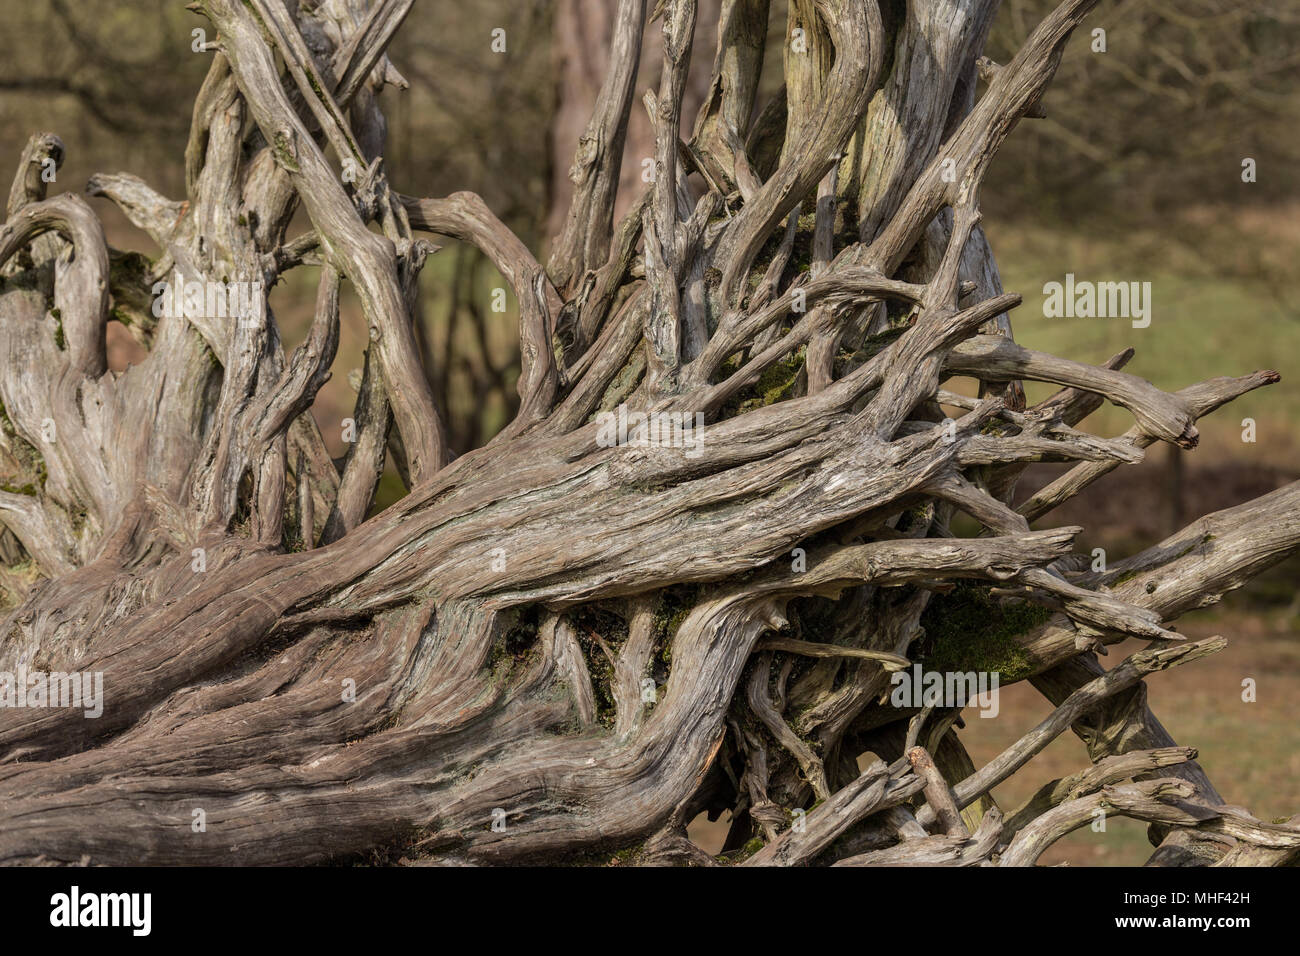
point(577, 637)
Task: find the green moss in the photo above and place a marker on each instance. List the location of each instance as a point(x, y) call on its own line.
point(266, 34)
point(131, 287)
point(1126, 576)
point(623, 857)
point(283, 153)
point(602, 857)
point(315, 85)
point(517, 641)
point(59, 339)
point(968, 631)
point(17, 583)
point(744, 853)
point(847, 360)
point(30, 463)
point(775, 382)
point(128, 267)
point(674, 606)
point(28, 279)
point(623, 383)
point(771, 386)
point(801, 253)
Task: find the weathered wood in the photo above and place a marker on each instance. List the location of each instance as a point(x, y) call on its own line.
point(584, 243)
point(589, 637)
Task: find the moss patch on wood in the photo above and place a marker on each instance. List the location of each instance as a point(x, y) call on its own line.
point(966, 630)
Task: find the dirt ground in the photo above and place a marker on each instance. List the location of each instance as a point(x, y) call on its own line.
point(1250, 750)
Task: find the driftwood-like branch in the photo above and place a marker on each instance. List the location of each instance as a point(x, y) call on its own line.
point(877, 788)
point(1166, 801)
point(584, 243)
point(856, 33)
point(1113, 769)
point(1124, 675)
point(959, 849)
point(82, 289)
point(681, 580)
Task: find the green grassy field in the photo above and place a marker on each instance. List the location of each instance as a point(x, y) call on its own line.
point(1212, 314)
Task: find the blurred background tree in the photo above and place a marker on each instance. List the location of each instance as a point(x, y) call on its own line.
point(1183, 91)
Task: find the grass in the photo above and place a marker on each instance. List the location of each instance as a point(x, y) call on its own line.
point(1211, 315)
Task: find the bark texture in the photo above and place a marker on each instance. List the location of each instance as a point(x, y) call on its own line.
point(557, 646)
